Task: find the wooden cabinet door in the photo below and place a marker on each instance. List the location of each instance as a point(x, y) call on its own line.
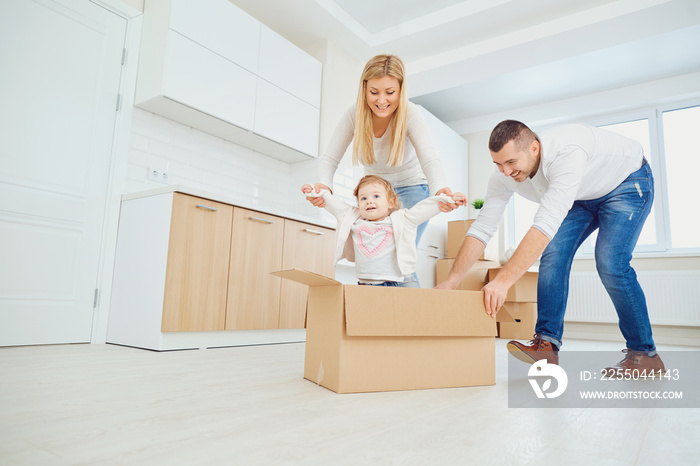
point(305, 247)
point(197, 271)
point(256, 250)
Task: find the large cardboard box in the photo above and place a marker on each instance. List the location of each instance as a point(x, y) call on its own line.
point(524, 290)
point(371, 338)
point(476, 277)
point(516, 321)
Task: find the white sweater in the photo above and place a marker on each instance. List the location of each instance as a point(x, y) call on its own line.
point(404, 223)
point(420, 161)
point(577, 162)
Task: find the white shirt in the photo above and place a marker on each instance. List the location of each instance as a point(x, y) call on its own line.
point(420, 161)
point(577, 162)
point(375, 251)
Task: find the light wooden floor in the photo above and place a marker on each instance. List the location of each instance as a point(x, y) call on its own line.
point(105, 404)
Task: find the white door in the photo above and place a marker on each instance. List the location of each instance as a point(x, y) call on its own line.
point(60, 65)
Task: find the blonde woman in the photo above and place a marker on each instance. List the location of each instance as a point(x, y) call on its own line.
point(390, 139)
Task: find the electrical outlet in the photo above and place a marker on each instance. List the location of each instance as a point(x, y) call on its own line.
point(156, 174)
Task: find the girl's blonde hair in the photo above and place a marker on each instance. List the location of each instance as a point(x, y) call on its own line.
point(372, 179)
point(363, 139)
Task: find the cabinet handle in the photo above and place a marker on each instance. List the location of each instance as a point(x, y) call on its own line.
point(200, 206)
point(433, 246)
point(261, 220)
point(313, 232)
point(433, 257)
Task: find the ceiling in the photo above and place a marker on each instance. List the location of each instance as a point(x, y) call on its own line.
point(473, 57)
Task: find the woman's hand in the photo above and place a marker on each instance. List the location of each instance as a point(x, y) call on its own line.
point(444, 206)
point(316, 201)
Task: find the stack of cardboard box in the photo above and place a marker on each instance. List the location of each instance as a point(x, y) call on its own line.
point(517, 318)
point(478, 275)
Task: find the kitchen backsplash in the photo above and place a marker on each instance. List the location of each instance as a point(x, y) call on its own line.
point(212, 164)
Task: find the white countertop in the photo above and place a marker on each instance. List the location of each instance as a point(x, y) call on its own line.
point(233, 200)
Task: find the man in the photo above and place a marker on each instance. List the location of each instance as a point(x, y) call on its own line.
point(584, 179)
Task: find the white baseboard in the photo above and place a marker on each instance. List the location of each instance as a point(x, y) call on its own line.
point(663, 334)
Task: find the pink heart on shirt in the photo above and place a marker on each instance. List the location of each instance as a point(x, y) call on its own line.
point(367, 232)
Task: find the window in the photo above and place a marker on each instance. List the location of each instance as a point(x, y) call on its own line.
point(681, 157)
point(667, 135)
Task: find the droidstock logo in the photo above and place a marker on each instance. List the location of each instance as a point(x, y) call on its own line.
point(547, 371)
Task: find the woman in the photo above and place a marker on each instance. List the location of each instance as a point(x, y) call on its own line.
point(390, 139)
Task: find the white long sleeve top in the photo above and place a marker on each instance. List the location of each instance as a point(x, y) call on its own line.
point(421, 163)
point(404, 223)
point(577, 162)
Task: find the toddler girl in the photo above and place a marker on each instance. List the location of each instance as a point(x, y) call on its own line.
point(378, 235)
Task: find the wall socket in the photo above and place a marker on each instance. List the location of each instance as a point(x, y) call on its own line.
point(156, 174)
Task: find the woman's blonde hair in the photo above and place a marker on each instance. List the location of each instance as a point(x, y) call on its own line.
point(372, 179)
point(363, 139)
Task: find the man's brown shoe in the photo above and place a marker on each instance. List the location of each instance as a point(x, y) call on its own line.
point(534, 351)
point(637, 361)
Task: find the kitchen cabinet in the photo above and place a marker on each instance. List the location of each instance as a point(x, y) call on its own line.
point(215, 68)
point(256, 250)
point(288, 67)
point(191, 272)
point(285, 118)
point(197, 265)
point(309, 248)
point(222, 88)
point(219, 26)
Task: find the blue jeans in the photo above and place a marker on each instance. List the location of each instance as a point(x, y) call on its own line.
point(410, 196)
point(619, 217)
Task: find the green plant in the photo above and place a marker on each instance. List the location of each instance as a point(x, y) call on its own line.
point(478, 203)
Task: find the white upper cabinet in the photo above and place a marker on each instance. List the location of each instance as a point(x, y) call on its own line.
point(200, 79)
point(281, 116)
point(210, 65)
point(221, 27)
point(288, 67)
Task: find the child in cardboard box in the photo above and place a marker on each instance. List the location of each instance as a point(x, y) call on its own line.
point(378, 235)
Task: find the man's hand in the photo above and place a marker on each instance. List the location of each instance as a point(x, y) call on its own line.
point(446, 285)
point(495, 294)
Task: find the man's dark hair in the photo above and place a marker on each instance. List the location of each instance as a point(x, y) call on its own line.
point(511, 130)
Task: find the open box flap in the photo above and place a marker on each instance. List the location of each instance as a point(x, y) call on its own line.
point(387, 311)
point(506, 313)
point(305, 277)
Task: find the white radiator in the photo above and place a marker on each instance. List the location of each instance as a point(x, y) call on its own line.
point(673, 298)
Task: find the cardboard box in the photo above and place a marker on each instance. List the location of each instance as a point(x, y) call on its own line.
point(476, 278)
point(371, 338)
point(516, 321)
point(456, 231)
point(524, 290)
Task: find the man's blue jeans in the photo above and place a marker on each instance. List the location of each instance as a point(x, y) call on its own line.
point(410, 196)
point(619, 217)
